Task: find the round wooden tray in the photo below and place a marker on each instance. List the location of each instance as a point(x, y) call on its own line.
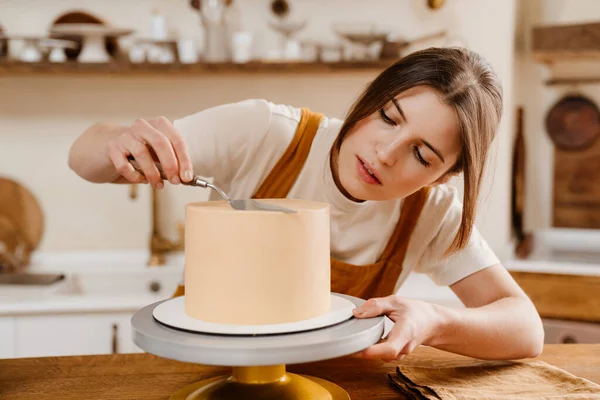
point(23, 220)
point(573, 123)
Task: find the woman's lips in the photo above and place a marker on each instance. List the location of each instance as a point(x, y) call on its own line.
point(366, 172)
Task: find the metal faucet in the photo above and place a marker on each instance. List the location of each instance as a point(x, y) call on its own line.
point(15, 250)
point(159, 245)
point(9, 262)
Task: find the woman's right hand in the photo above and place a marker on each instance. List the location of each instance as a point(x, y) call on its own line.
point(150, 141)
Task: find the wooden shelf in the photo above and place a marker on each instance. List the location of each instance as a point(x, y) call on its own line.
point(572, 42)
point(15, 68)
point(572, 81)
point(551, 57)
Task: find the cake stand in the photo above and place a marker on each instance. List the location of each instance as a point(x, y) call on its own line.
point(258, 361)
point(93, 35)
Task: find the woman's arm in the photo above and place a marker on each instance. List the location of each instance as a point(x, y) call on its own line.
point(100, 154)
point(88, 156)
point(499, 321)
point(217, 142)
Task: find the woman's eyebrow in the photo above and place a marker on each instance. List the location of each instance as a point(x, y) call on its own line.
point(399, 109)
point(436, 151)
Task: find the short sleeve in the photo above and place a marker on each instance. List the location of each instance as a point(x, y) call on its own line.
point(222, 139)
point(475, 256)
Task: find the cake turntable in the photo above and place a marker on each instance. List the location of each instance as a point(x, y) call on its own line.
point(258, 360)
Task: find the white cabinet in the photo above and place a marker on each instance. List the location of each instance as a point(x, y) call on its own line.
point(89, 312)
point(72, 334)
point(7, 337)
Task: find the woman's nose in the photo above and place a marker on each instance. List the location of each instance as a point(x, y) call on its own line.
point(387, 152)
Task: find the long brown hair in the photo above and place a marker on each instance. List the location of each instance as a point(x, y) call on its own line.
point(463, 80)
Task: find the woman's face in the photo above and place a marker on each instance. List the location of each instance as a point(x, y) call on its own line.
point(411, 143)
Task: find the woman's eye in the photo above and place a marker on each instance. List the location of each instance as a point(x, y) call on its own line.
point(385, 118)
point(420, 157)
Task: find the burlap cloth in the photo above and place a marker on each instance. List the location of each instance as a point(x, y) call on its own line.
point(493, 381)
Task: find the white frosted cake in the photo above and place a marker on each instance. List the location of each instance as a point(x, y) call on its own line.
point(257, 267)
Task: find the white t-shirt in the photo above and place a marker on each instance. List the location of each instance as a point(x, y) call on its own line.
point(238, 144)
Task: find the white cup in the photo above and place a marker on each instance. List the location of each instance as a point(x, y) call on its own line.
point(137, 54)
point(187, 50)
point(30, 52)
point(57, 55)
point(241, 47)
point(293, 50)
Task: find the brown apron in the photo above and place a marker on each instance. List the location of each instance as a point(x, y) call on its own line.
point(364, 281)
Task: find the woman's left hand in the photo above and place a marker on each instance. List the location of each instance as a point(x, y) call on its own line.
point(416, 322)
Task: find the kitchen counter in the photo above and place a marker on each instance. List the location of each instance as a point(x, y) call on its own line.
point(144, 376)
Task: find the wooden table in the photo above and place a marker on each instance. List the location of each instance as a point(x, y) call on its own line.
point(144, 376)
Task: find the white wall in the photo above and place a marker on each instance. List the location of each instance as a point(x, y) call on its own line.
point(537, 98)
point(41, 116)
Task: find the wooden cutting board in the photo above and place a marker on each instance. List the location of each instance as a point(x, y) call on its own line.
point(21, 219)
point(577, 188)
point(575, 130)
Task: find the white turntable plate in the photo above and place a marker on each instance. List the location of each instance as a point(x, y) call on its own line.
point(172, 313)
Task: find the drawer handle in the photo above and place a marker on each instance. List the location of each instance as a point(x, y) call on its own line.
point(568, 339)
point(115, 339)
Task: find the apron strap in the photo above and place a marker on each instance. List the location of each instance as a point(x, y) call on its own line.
point(396, 249)
point(283, 175)
point(409, 215)
point(379, 279)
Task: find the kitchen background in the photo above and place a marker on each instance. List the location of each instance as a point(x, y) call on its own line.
point(98, 235)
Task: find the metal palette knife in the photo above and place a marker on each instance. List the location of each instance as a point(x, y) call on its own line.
point(238, 204)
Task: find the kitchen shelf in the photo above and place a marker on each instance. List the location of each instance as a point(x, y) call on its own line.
point(570, 42)
point(15, 68)
point(572, 81)
point(551, 57)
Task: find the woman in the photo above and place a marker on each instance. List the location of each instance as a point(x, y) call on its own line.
point(384, 171)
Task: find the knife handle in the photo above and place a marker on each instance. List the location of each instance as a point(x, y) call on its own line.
point(196, 181)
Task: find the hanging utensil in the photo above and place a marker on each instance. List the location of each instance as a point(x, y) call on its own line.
point(238, 204)
point(524, 239)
